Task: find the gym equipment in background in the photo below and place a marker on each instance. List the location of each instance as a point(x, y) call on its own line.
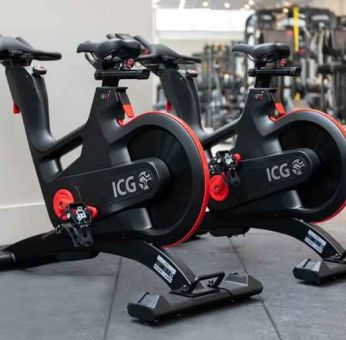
point(285, 171)
point(311, 34)
point(220, 85)
point(137, 186)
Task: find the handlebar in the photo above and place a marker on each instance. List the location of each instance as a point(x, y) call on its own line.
point(45, 56)
point(332, 68)
point(292, 71)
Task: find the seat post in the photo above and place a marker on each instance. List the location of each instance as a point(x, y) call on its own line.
point(262, 81)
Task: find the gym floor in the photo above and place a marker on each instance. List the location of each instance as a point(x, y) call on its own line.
point(87, 299)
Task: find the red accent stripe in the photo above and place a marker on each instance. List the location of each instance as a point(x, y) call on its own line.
point(343, 131)
point(128, 110)
point(205, 168)
point(280, 108)
point(15, 109)
point(168, 107)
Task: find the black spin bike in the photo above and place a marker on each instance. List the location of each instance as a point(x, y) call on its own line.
point(140, 184)
point(286, 170)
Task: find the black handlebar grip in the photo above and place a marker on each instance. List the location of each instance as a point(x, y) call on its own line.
point(331, 69)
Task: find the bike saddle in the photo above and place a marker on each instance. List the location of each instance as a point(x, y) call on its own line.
point(10, 47)
point(157, 53)
point(122, 49)
point(264, 53)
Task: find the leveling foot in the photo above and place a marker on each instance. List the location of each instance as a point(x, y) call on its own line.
point(319, 271)
point(151, 307)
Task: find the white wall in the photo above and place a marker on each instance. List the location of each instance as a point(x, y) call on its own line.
point(338, 6)
point(57, 25)
point(190, 46)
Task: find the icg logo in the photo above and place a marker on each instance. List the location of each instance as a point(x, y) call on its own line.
point(285, 170)
point(297, 166)
point(132, 183)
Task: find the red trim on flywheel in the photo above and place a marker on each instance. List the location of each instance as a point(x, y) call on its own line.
point(342, 130)
point(205, 168)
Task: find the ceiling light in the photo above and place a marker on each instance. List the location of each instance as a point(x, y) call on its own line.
point(286, 3)
point(227, 5)
point(251, 2)
point(246, 7)
point(182, 4)
point(205, 3)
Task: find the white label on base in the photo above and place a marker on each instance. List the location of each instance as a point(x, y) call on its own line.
point(315, 241)
point(164, 269)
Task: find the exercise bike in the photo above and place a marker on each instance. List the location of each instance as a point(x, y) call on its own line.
point(140, 184)
point(286, 171)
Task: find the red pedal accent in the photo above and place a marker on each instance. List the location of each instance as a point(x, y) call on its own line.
point(280, 108)
point(219, 190)
point(61, 200)
point(128, 110)
point(15, 109)
point(237, 157)
point(93, 211)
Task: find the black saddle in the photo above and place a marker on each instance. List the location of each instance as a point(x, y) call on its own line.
point(264, 53)
point(17, 47)
point(122, 49)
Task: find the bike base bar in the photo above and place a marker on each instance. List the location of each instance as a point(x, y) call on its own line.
point(151, 307)
point(188, 291)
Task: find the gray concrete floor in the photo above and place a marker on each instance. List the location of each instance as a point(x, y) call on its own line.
point(87, 299)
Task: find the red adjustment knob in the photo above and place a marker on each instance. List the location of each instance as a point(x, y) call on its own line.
point(62, 199)
point(219, 190)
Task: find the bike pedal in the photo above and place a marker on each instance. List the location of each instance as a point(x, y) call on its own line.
point(78, 225)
